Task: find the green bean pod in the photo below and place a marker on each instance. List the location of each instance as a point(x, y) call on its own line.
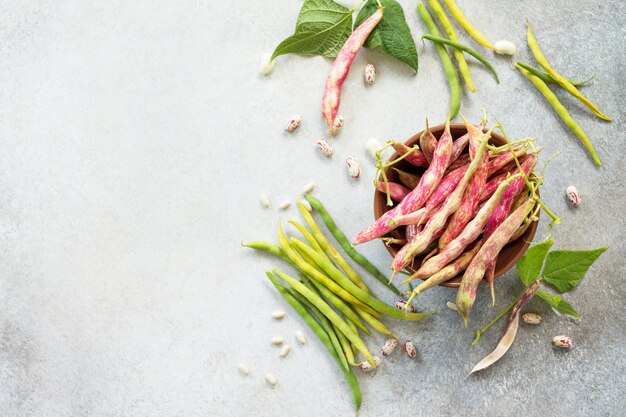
point(446, 62)
point(345, 244)
point(547, 78)
point(361, 295)
point(563, 82)
point(447, 27)
point(308, 236)
point(323, 337)
point(376, 325)
point(467, 49)
point(340, 305)
point(269, 248)
point(329, 249)
point(334, 318)
point(346, 347)
point(561, 111)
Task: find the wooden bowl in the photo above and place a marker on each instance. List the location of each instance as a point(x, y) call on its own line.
point(509, 255)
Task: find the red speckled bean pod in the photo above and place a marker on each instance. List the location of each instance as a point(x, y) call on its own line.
point(504, 208)
point(467, 236)
point(408, 180)
point(471, 197)
point(458, 146)
point(341, 67)
point(486, 258)
point(416, 157)
point(436, 224)
point(396, 191)
point(416, 198)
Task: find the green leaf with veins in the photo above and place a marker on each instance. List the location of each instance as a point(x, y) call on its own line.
point(392, 34)
point(323, 26)
point(565, 268)
point(529, 266)
point(558, 303)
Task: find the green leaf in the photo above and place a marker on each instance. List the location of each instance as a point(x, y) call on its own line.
point(392, 34)
point(529, 266)
point(565, 268)
point(559, 304)
point(323, 26)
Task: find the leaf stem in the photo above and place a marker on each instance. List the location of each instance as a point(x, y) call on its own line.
point(357, 6)
point(494, 321)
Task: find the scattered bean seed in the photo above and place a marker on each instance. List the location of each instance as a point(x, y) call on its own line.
point(354, 167)
point(277, 341)
point(284, 205)
point(366, 366)
point(410, 349)
point(300, 337)
point(369, 74)
point(451, 306)
point(244, 369)
point(531, 318)
point(372, 145)
point(293, 123)
point(389, 346)
point(267, 64)
point(338, 124)
point(265, 201)
point(324, 147)
point(308, 188)
point(564, 342)
point(573, 195)
point(377, 361)
point(284, 351)
point(278, 314)
point(504, 48)
point(402, 305)
point(271, 379)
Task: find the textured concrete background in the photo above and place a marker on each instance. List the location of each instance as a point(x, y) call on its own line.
point(135, 140)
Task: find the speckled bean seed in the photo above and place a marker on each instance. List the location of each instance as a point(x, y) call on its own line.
point(324, 147)
point(369, 74)
point(402, 305)
point(564, 342)
point(389, 346)
point(366, 367)
point(293, 123)
point(410, 349)
point(338, 124)
point(573, 195)
point(531, 318)
point(354, 167)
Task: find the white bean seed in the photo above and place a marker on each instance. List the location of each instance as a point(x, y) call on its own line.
point(278, 314)
point(271, 379)
point(284, 205)
point(300, 337)
point(277, 341)
point(504, 48)
point(244, 369)
point(265, 201)
point(308, 188)
point(452, 306)
point(284, 351)
point(267, 64)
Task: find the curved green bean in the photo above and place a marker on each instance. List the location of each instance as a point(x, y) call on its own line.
point(346, 347)
point(308, 236)
point(307, 259)
point(447, 27)
point(312, 272)
point(345, 244)
point(563, 82)
point(361, 295)
point(269, 248)
point(561, 111)
point(329, 249)
point(340, 305)
point(323, 337)
point(547, 78)
point(467, 49)
point(334, 318)
point(446, 62)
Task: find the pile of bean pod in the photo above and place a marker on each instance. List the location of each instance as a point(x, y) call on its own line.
point(331, 296)
point(461, 211)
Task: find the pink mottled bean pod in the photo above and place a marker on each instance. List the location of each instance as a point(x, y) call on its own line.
point(486, 258)
point(416, 198)
point(341, 67)
point(428, 142)
point(471, 197)
point(396, 191)
point(458, 146)
point(414, 157)
point(467, 236)
point(408, 180)
point(409, 349)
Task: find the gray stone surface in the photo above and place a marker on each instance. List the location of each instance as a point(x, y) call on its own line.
point(135, 141)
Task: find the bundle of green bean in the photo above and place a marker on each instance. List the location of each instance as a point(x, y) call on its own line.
point(330, 295)
point(539, 80)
